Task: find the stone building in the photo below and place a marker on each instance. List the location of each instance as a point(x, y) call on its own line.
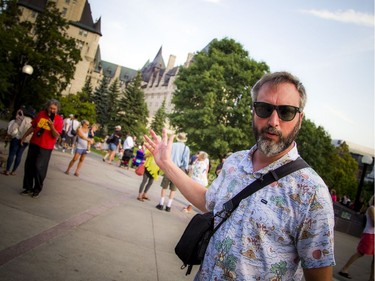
point(81, 27)
point(157, 77)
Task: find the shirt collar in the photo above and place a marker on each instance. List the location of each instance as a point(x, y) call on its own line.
point(247, 163)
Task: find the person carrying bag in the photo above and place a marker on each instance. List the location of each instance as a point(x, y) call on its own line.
point(193, 243)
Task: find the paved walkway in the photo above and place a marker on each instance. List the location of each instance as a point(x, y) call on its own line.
point(92, 228)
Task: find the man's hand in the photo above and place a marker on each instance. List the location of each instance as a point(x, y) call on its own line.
point(160, 148)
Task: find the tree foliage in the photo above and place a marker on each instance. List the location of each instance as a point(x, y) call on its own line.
point(212, 102)
point(160, 119)
point(45, 46)
point(101, 100)
point(77, 105)
point(87, 90)
point(113, 116)
point(133, 108)
point(335, 165)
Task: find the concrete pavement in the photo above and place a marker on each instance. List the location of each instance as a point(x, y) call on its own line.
point(92, 228)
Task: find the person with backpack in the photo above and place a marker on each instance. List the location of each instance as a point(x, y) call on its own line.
point(114, 143)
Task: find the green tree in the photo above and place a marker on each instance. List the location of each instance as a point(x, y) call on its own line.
point(335, 165)
point(344, 170)
point(100, 99)
point(212, 102)
point(133, 108)
point(73, 104)
point(87, 90)
point(52, 54)
point(12, 50)
point(159, 120)
point(113, 104)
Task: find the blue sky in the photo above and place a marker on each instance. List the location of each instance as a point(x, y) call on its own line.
point(328, 44)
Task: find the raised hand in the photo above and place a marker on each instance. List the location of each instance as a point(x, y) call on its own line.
point(160, 148)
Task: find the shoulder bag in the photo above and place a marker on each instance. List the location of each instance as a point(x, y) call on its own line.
point(193, 243)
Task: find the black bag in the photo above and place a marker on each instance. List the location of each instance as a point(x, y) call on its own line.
point(193, 243)
point(109, 139)
point(73, 132)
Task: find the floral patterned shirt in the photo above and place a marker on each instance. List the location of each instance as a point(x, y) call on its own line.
point(274, 233)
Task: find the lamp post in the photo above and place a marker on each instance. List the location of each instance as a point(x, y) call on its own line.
point(366, 160)
point(27, 70)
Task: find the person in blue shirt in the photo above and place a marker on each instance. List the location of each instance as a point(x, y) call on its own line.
point(180, 156)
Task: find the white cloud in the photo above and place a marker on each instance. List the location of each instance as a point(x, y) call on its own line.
point(348, 16)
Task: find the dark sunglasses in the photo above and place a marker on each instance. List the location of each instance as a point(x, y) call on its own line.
point(285, 112)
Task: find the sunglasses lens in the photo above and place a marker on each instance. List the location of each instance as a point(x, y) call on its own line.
point(287, 113)
point(263, 110)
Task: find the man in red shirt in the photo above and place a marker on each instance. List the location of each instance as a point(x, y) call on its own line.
point(46, 128)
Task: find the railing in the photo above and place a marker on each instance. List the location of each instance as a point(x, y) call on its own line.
point(347, 220)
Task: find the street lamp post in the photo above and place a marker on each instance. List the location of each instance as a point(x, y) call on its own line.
point(366, 160)
point(27, 70)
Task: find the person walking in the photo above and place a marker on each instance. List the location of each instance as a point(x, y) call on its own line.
point(71, 135)
point(151, 173)
point(83, 141)
point(16, 129)
point(128, 147)
point(199, 173)
point(46, 128)
point(180, 157)
point(114, 143)
point(64, 136)
point(365, 245)
point(285, 230)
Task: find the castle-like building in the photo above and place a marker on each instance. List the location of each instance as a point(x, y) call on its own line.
point(157, 77)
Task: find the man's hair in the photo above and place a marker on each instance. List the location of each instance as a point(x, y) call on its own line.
point(53, 102)
point(277, 78)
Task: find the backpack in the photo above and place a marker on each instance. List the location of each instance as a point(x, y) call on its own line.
point(109, 139)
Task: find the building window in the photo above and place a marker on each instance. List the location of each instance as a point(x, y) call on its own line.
point(64, 12)
point(83, 32)
point(79, 44)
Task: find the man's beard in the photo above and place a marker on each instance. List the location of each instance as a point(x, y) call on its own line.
point(270, 147)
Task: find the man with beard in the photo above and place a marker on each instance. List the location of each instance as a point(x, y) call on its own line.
point(281, 232)
point(46, 128)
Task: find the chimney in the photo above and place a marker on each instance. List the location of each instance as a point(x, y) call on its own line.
point(171, 62)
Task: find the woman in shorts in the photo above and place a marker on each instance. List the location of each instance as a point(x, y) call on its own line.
point(81, 149)
point(365, 245)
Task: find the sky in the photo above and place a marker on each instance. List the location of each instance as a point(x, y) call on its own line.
point(328, 44)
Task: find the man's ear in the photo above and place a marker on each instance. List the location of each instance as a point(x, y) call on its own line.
point(302, 115)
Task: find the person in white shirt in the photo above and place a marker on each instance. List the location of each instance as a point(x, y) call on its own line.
point(71, 133)
point(16, 128)
point(128, 150)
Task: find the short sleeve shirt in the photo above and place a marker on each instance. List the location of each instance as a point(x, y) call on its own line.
point(46, 140)
point(274, 233)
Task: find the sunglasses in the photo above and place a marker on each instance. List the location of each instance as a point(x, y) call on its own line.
point(285, 112)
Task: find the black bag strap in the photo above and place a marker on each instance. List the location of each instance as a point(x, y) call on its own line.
point(270, 177)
